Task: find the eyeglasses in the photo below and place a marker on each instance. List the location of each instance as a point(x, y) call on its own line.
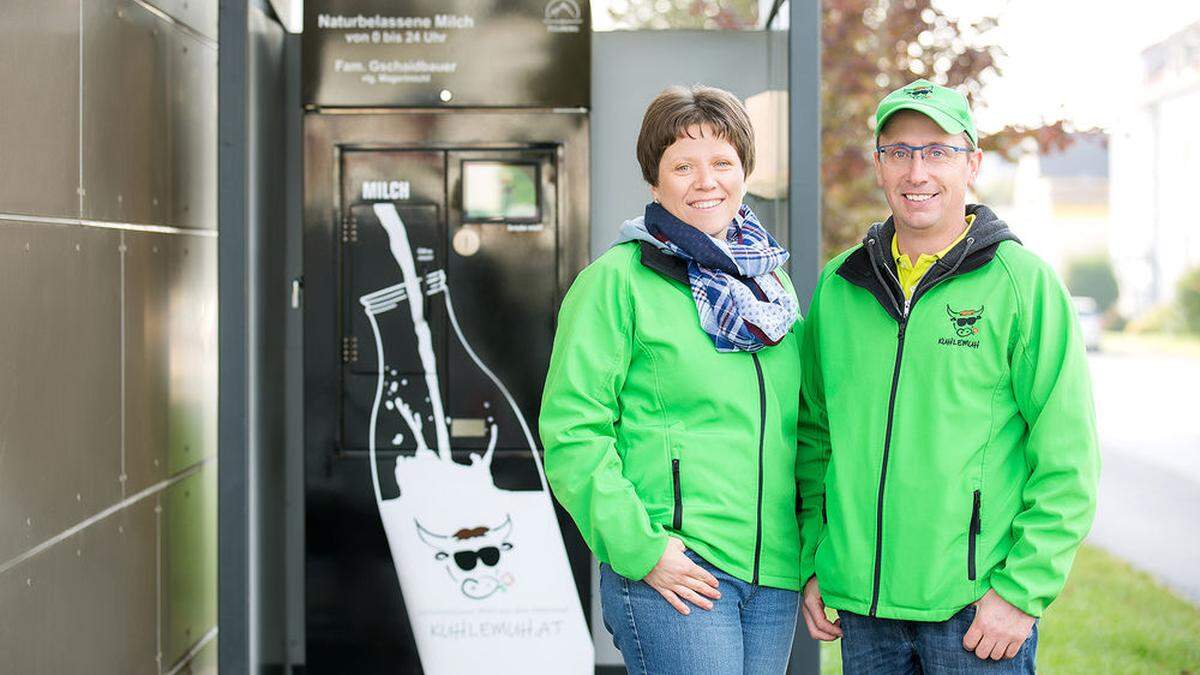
point(966, 322)
point(901, 154)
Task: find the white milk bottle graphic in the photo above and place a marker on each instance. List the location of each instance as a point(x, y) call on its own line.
point(483, 570)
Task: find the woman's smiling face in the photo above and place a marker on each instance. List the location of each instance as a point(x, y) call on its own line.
point(701, 180)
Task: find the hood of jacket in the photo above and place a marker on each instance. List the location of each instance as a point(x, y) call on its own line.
point(634, 229)
point(871, 266)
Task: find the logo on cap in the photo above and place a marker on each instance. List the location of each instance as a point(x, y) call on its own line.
point(919, 92)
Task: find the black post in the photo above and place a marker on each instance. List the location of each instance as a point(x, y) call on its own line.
point(233, 431)
point(804, 132)
point(804, 203)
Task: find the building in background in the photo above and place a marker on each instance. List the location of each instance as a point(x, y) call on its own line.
point(1056, 202)
point(1155, 166)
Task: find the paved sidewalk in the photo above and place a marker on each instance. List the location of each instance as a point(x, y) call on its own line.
point(1148, 410)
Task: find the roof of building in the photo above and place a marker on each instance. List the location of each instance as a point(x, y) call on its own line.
point(1086, 156)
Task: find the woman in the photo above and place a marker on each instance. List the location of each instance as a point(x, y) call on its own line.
point(669, 413)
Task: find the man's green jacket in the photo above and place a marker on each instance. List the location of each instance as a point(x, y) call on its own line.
point(650, 432)
point(947, 445)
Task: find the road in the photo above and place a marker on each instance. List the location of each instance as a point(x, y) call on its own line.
point(1148, 413)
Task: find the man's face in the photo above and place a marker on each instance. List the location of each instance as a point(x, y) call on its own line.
point(925, 196)
point(701, 180)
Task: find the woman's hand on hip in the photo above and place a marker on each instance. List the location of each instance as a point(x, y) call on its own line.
point(677, 579)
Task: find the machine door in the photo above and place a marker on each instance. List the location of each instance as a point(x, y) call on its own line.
point(448, 285)
point(502, 222)
point(482, 223)
point(414, 182)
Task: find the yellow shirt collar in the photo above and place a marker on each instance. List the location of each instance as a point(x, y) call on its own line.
point(910, 273)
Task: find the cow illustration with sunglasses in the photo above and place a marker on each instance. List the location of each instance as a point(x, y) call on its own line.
point(964, 321)
point(472, 556)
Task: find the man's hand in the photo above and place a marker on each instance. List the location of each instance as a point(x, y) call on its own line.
point(813, 608)
point(677, 578)
point(999, 629)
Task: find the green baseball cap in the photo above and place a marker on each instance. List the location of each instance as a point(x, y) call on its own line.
point(941, 104)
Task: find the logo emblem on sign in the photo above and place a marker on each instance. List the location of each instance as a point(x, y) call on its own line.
point(472, 557)
point(562, 9)
point(563, 16)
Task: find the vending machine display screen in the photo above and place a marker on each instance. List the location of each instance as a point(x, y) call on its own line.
point(500, 192)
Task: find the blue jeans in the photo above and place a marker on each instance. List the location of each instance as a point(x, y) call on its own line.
point(749, 629)
point(873, 645)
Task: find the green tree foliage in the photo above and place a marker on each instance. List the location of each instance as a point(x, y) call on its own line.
point(1093, 276)
point(1188, 297)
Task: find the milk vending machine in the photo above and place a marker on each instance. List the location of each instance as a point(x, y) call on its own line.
point(445, 214)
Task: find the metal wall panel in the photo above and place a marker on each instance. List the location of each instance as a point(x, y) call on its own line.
point(126, 52)
point(147, 260)
point(192, 355)
point(204, 662)
point(170, 346)
point(60, 403)
point(192, 89)
point(87, 604)
point(117, 97)
point(198, 15)
point(39, 66)
point(189, 570)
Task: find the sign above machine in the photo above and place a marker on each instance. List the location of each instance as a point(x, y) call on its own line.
point(447, 53)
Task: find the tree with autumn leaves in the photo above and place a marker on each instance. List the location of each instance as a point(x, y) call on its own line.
point(868, 48)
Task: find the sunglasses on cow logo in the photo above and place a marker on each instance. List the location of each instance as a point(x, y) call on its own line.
point(970, 321)
point(466, 560)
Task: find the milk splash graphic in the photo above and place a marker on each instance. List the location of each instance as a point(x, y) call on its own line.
point(483, 570)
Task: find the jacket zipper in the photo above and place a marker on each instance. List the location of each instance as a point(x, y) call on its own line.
point(974, 531)
point(887, 447)
point(762, 426)
point(677, 519)
point(909, 300)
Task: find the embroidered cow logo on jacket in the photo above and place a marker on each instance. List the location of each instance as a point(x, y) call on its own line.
point(964, 321)
point(965, 324)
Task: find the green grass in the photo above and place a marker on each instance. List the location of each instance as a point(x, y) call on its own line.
point(1110, 618)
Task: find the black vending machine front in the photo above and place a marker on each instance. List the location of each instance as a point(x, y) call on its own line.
point(445, 215)
point(432, 541)
point(482, 227)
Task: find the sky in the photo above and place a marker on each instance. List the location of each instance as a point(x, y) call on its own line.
point(1064, 57)
point(1067, 58)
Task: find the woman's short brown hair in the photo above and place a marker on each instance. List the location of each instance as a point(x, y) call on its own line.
point(677, 109)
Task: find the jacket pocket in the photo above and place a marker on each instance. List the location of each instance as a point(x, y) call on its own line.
point(677, 518)
point(972, 534)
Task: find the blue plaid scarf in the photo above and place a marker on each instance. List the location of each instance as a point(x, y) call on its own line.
point(741, 302)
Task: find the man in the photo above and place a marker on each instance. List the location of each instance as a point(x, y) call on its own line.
point(948, 456)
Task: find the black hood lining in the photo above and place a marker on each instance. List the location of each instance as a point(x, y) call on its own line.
point(986, 234)
point(675, 269)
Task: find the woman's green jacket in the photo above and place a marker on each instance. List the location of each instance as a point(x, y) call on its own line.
point(650, 432)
